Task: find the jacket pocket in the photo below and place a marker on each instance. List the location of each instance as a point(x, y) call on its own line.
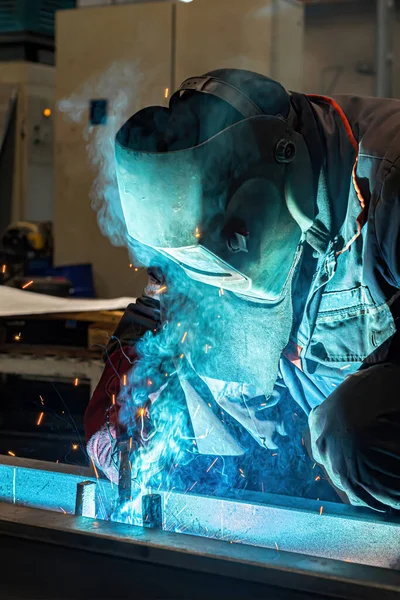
point(349, 327)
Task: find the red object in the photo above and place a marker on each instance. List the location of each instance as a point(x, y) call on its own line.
point(107, 390)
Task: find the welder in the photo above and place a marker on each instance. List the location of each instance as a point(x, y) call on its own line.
point(286, 208)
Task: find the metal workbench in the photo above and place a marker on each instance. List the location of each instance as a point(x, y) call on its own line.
point(304, 554)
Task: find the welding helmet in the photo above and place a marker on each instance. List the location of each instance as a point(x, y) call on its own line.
point(220, 182)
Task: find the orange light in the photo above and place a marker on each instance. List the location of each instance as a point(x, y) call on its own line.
point(17, 337)
point(62, 510)
point(181, 356)
point(94, 469)
point(26, 285)
point(212, 464)
point(113, 398)
point(40, 418)
point(76, 382)
point(321, 510)
point(141, 412)
point(75, 446)
point(166, 93)
point(47, 112)
point(318, 478)
point(184, 337)
point(124, 380)
point(10, 453)
point(4, 269)
point(162, 289)
point(197, 233)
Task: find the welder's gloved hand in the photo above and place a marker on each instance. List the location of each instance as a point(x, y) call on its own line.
point(101, 449)
point(355, 435)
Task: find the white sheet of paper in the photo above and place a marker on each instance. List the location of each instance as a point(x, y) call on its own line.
point(15, 302)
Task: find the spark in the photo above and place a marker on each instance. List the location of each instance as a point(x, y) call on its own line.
point(40, 418)
point(162, 289)
point(181, 511)
point(113, 399)
point(166, 375)
point(193, 486)
point(136, 269)
point(4, 269)
point(94, 469)
point(277, 547)
point(124, 379)
point(62, 510)
point(76, 381)
point(141, 412)
point(26, 285)
point(75, 446)
point(262, 487)
point(263, 404)
point(221, 291)
point(314, 465)
point(275, 454)
point(302, 441)
point(242, 473)
point(41, 400)
point(318, 478)
point(197, 234)
point(321, 510)
point(10, 453)
point(181, 356)
point(130, 266)
point(149, 382)
point(212, 464)
point(184, 337)
point(166, 93)
point(130, 443)
point(345, 367)
point(179, 324)
point(17, 337)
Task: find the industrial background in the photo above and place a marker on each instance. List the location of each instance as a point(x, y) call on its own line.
point(71, 72)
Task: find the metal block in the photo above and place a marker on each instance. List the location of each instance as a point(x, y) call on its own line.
point(85, 505)
point(152, 511)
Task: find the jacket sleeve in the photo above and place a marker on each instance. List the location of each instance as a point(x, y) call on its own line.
point(119, 357)
point(386, 222)
point(101, 416)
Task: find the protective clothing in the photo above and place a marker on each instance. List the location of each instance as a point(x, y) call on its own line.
point(233, 209)
point(345, 296)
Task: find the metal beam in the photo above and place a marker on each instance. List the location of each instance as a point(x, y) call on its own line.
point(310, 577)
point(294, 525)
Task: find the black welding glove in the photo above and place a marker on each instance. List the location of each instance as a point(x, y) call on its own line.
point(355, 435)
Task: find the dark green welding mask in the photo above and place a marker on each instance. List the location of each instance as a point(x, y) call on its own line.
point(231, 206)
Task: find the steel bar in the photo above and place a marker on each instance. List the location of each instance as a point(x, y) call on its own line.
point(316, 577)
point(294, 525)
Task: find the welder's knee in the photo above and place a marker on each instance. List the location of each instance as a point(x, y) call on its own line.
point(355, 435)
